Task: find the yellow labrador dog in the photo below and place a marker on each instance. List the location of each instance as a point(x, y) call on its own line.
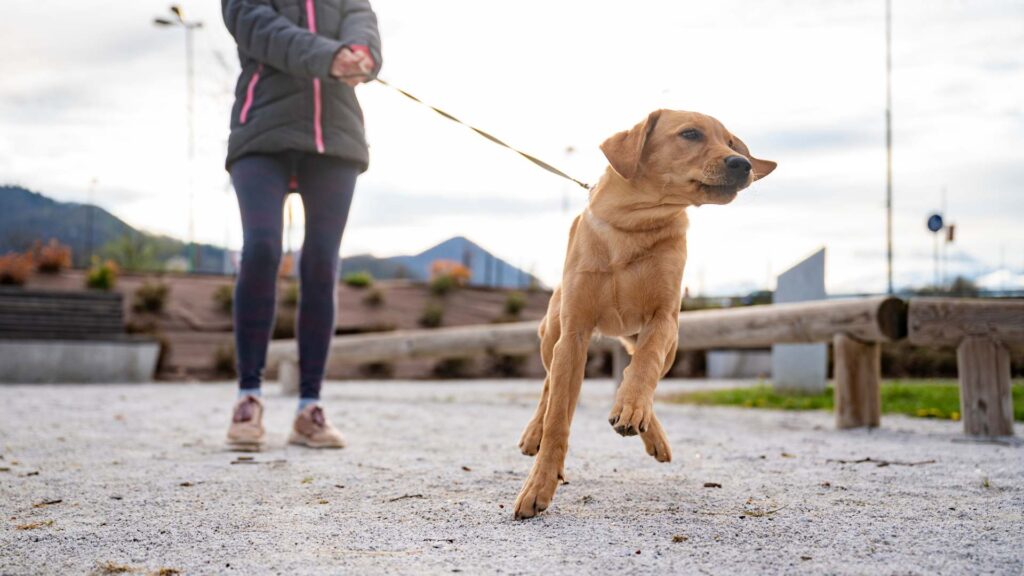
point(622, 277)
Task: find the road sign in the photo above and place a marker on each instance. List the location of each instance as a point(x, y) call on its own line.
point(935, 222)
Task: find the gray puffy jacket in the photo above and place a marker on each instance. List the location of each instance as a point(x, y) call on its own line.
point(285, 98)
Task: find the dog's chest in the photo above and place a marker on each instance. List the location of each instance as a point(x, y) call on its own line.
point(631, 295)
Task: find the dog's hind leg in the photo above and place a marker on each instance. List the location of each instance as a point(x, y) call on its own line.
point(569, 359)
point(549, 331)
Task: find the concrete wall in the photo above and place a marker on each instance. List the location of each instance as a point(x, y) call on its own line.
point(73, 362)
point(739, 363)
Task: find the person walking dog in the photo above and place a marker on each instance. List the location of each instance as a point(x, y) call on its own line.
point(296, 126)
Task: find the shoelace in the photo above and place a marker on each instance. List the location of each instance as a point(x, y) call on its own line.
point(245, 411)
point(317, 416)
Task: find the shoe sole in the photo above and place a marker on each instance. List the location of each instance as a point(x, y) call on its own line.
point(238, 446)
point(302, 441)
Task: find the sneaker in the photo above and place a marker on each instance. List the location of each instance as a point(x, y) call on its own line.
point(312, 429)
point(246, 431)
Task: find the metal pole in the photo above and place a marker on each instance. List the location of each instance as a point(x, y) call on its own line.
point(191, 146)
point(888, 142)
point(89, 218)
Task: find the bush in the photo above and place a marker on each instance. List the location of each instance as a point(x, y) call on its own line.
point(377, 370)
point(374, 298)
point(506, 365)
point(433, 315)
point(514, 303)
point(224, 361)
point(224, 297)
point(360, 279)
point(457, 271)
point(284, 325)
point(290, 296)
point(102, 275)
point(452, 368)
point(446, 275)
point(903, 360)
point(15, 269)
point(150, 297)
point(53, 257)
point(442, 285)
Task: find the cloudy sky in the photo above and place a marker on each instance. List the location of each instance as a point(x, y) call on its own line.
point(92, 90)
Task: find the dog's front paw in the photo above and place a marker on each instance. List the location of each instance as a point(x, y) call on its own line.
point(537, 493)
point(529, 443)
point(656, 442)
point(629, 418)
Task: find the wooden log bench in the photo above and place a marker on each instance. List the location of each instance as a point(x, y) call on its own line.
point(62, 336)
point(982, 332)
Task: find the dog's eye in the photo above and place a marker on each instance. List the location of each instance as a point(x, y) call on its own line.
point(690, 134)
point(730, 144)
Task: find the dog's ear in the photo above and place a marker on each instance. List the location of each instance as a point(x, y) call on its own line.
point(761, 168)
point(624, 149)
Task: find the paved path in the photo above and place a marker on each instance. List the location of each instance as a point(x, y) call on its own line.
point(432, 470)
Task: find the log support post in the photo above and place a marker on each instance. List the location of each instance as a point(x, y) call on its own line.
point(620, 359)
point(858, 374)
point(288, 376)
point(986, 402)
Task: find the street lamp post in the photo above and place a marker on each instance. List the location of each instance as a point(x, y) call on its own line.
point(888, 142)
point(189, 26)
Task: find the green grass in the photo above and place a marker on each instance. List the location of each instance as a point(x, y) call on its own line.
point(932, 398)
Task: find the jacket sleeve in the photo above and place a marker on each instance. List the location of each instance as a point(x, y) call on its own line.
point(263, 34)
point(359, 27)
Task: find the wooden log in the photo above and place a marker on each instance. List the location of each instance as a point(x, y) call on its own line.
point(858, 374)
point(986, 402)
point(878, 319)
point(947, 321)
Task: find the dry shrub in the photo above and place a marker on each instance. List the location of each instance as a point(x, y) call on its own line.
point(284, 325)
point(150, 297)
point(224, 361)
point(53, 257)
point(446, 275)
point(433, 315)
point(15, 269)
point(374, 298)
point(290, 295)
point(377, 370)
point(224, 297)
point(450, 368)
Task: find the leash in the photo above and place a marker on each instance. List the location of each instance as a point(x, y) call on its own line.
point(492, 138)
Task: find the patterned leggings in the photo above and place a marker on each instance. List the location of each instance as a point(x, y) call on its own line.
point(262, 183)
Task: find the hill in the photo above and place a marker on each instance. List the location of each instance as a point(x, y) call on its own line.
point(27, 217)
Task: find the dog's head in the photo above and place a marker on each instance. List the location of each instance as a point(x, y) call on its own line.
point(684, 158)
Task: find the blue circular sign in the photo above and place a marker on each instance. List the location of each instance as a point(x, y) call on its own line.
point(935, 222)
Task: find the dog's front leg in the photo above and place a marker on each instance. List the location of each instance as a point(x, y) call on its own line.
point(564, 382)
point(633, 411)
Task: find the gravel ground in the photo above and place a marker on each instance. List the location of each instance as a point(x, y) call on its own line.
point(99, 478)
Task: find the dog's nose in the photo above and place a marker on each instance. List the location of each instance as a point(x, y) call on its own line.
point(737, 165)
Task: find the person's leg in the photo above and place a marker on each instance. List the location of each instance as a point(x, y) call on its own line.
point(261, 184)
point(326, 186)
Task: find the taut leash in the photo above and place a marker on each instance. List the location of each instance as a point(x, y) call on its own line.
point(488, 136)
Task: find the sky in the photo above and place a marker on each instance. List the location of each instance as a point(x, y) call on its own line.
point(92, 107)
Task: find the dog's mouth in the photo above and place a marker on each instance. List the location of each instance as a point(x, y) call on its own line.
point(719, 189)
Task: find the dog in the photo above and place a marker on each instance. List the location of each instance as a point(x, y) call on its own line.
point(622, 277)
